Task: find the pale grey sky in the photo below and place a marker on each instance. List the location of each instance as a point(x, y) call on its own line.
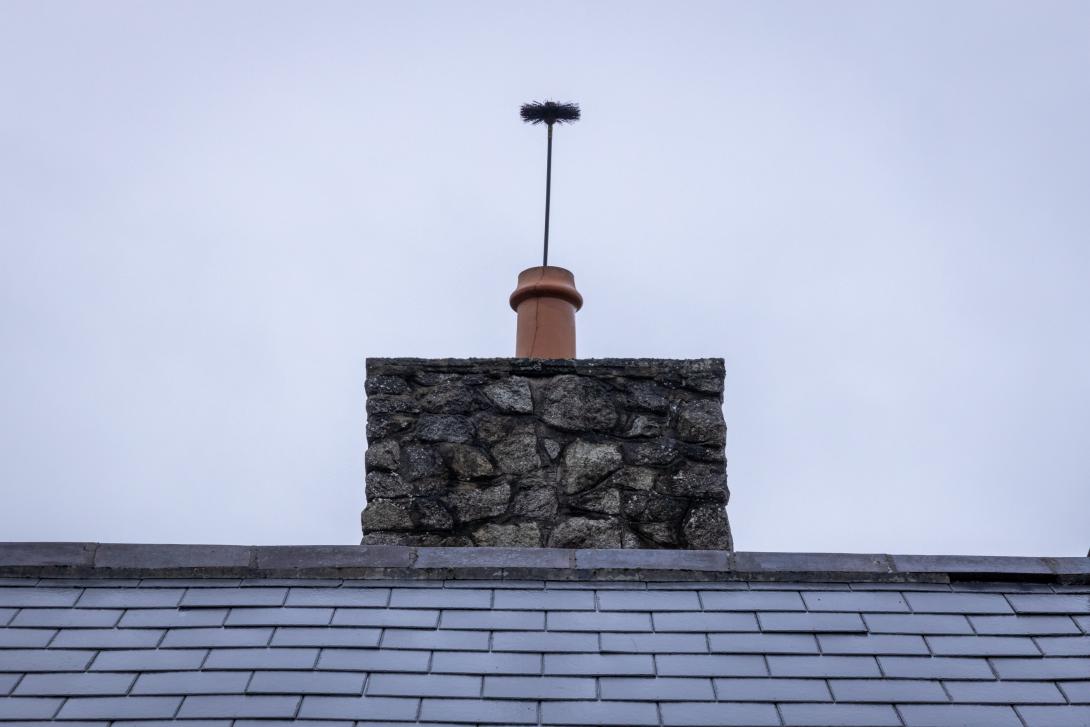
point(877, 213)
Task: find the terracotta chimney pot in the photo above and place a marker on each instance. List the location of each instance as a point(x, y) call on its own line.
point(546, 301)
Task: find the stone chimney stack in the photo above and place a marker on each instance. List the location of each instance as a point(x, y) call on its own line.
point(535, 452)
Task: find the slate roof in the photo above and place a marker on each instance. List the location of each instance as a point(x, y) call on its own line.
point(990, 642)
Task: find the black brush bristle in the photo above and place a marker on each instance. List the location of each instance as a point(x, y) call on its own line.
point(549, 112)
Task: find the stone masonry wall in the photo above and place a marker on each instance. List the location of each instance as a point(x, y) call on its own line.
point(591, 453)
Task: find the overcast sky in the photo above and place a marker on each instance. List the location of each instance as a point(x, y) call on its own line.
point(877, 213)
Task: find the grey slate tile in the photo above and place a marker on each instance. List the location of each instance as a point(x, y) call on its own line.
point(424, 685)
point(306, 682)
point(874, 644)
point(664, 689)
point(42, 685)
point(742, 643)
point(683, 621)
point(130, 598)
point(599, 664)
point(478, 662)
point(1083, 623)
point(39, 597)
point(482, 711)
point(7, 682)
point(31, 660)
point(722, 714)
point(170, 617)
point(1027, 625)
point(829, 622)
point(192, 682)
point(107, 638)
point(542, 641)
point(201, 637)
point(440, 598)
point(280, 617)
point(168, 723)
point(873, 601)
point(1073, 603)
point(751, 601)
point(447, 640)
point(959, 715)
point(25, 638)
point(596, 621)
point(981, 646)
point(938, 667)
point(647, 643)
point(1077, 692)
point(1067, 716)
point(190, 582)
point(409, 618)
point(358, 708)
point(887, 690)
point(823, 666)
point(772, 690)
point(67, 617)
point(374, 660)
point(237, 707)
point(261, 659)
point(114, 708)
point(561, 600)
point(1047, 669)
point(958, 603)
point(519, 687)
point(820, 715)
point(289, 723)
point(1005, 692)
point(326, 636)
point(599, 713)
point(918, 623)
point(148, 660)
point(28, 708)
point(493, 620)
point(6, 614)
point(648, 601)
point(709, 665)
point(235, 597)
point(1064, 645)
point(337, 597)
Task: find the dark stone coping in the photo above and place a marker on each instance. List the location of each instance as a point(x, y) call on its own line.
point(129, 560)
point(546, 366)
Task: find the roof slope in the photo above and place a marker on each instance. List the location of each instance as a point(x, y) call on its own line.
point(587, 652)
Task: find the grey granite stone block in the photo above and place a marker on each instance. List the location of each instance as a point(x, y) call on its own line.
point(616, 453)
